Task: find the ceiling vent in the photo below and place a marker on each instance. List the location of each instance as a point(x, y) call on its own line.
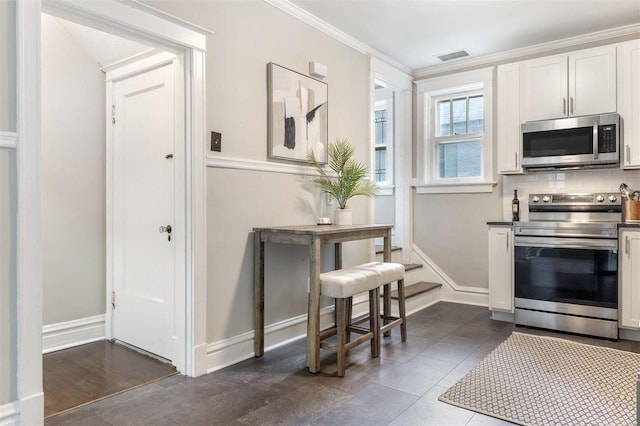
point(453, 55)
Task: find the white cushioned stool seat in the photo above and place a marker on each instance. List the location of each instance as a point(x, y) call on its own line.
point(387, 271)
point(347, 282)
point(342, 285)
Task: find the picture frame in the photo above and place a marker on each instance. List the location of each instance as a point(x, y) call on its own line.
point(297, 115)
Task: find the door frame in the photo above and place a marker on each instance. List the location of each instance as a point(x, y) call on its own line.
point(401, 84)
point(145, 24)
point(115, 73)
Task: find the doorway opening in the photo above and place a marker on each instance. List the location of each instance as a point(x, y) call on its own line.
point(84, 211)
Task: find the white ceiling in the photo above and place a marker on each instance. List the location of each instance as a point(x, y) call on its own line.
point(412, 32)
point(105, 48)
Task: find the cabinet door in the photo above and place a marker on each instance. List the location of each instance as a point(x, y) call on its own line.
point(629, 279)
point(545, 88)
point(592, 81)
point(509, 144)
point(629, 102)
point(501, 268)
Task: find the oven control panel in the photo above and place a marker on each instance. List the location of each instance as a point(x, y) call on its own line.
point(575, 199)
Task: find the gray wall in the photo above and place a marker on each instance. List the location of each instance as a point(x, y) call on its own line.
point(452, 230)
point(7, 66)
point(73, 178)
point(8, 319)
point(248, 35)
point(8, 322)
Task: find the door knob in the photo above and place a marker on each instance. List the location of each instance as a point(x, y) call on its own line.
point(166, 229)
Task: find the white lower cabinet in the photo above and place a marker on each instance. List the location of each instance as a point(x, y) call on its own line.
point(629, 278)
point(501, 268)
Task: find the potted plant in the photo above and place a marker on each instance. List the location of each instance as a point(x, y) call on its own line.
point(347, 180)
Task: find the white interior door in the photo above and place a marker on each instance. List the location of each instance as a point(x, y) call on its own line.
point(143, 201)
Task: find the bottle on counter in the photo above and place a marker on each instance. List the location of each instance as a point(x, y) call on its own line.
point(515, 207)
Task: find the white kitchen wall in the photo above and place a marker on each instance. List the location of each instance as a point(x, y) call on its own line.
point(605, 180)
point(73, 178)
point(248, 35)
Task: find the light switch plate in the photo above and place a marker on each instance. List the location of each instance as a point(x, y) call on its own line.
point(216, 141)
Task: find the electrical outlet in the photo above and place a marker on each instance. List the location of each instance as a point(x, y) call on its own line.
point(216, 141)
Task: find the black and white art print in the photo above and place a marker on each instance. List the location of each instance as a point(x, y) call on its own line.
point(298, 112)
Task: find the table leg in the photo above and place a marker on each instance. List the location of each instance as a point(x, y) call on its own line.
point(258, 293)
point(386, 302)
point(313, 323)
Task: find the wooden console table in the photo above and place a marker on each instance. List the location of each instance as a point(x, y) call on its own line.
point(313, 236)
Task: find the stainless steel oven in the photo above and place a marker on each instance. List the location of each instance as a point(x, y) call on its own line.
point(566, 264)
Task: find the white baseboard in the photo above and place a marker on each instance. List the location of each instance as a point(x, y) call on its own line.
point(452, 292)
point(10, 414)
point(230, 351)
point(68, 334)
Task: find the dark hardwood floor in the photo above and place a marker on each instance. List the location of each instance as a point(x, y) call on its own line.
point(401, 387)
point(76, 376)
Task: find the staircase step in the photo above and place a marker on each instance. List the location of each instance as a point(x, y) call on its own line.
point(415, 289)
point(411, 266)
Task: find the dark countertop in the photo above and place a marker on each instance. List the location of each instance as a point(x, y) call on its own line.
point(500, 223)
point(629, 225)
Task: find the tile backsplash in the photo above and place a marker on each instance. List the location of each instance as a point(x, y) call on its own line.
point(605, 180)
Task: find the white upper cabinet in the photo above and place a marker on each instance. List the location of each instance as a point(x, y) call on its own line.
point(509, 139)
point(581, 83)
point(629, 102)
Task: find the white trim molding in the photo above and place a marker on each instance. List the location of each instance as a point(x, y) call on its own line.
point(8, 140)
point(72, 333)
point(330, 30)
point(219, 162)
point(571, 43)
point(452, 292)
point(10, 414)
point(462, 188)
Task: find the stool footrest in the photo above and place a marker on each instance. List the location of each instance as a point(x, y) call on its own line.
point(359, 330)
point(389, 326)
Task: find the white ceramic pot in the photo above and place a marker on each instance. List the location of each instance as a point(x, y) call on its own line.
point(344, 217)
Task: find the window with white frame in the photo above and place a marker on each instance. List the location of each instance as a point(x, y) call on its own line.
point(383, 138)
point(456, 129)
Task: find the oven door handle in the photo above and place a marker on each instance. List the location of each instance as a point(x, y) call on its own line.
point(574, 243)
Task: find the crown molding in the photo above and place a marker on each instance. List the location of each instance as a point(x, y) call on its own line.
point(341, 36)
point(537, 49)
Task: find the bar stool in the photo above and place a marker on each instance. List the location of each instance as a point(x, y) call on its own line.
point(342, 285)
point(387, 273)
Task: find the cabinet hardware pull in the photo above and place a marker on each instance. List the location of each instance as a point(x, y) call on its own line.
point(564, 106)
point(571, 98)
point(627, 148)
point(516, 155)
point(507, 242)
point(627, 245)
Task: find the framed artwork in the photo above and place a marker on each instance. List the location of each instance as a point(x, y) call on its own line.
point(298, 115)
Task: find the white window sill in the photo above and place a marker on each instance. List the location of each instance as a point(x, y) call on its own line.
point(454, 188)
point(385, 189)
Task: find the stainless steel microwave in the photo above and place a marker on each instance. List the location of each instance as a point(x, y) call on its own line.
point(576, 142)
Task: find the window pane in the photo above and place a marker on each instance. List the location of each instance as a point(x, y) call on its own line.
point(476, 114)
point(381, 126)
point(381, 165)
point(460, 116)
point(462, 159)
point(444, 118)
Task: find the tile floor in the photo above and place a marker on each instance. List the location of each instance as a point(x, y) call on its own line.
point(400, 388)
